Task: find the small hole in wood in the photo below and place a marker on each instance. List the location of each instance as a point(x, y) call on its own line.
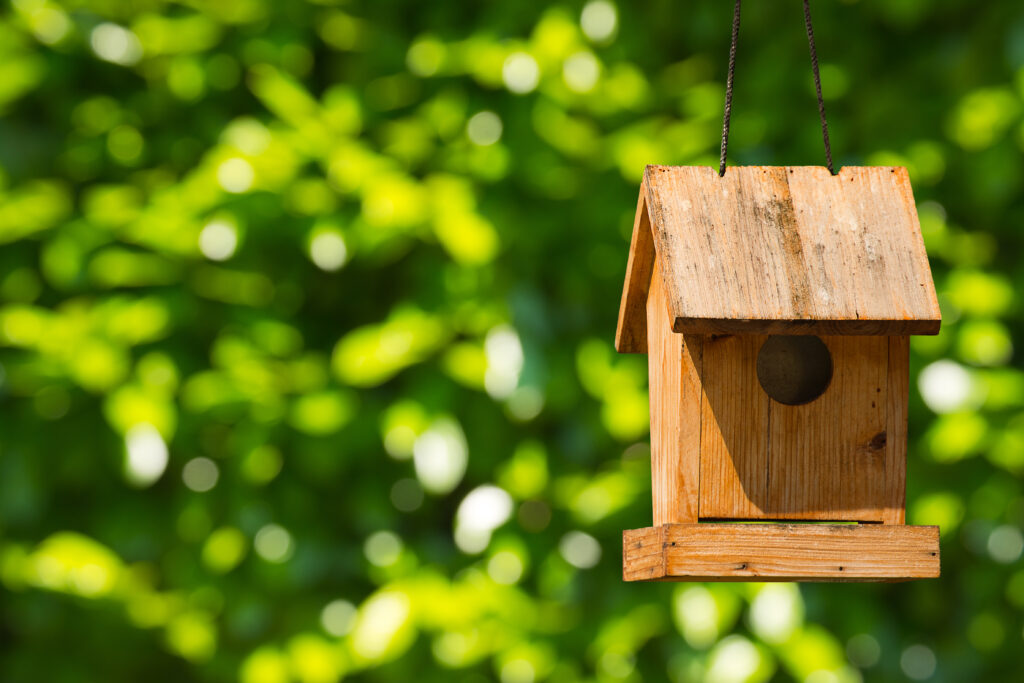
point(794, 369)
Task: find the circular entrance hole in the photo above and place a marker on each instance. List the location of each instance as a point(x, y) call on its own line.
point(794, 369)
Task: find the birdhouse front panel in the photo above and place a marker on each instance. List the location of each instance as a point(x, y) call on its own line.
point(775, 304)
point(826, 459)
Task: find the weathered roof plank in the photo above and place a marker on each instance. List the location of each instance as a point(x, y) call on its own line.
point(776, 249)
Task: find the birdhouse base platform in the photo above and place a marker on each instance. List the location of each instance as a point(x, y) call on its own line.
point(780, 552)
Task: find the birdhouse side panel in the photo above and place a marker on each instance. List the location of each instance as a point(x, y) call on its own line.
point(675, 412)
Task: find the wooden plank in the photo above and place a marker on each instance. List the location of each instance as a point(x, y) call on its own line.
point(864, 229)
point(642, 556)
point(898, 381)
point(818, 327)
point(631, 333)
point(781, 552)
point(690, 427)
point(675, 413)
point(734, 430)
point(827, 457)
point(791, 249)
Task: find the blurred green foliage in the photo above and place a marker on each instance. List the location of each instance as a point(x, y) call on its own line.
point(306, 313)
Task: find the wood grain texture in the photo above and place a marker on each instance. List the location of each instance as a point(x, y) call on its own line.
point(675, 413)
point(690, 426)
point(781, 552)
point(643, 557)
point(631, 333)
point(790, 249)
point(898, 381)
point(826, 458)
point(734, 429)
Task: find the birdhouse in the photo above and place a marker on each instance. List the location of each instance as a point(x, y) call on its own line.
point(775, 305)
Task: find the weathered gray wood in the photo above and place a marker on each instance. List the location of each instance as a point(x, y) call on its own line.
point(792, 250)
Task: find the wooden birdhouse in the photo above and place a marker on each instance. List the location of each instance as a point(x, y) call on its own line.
point(775, 305)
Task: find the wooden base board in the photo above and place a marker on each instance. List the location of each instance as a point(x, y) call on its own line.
point(780, 552)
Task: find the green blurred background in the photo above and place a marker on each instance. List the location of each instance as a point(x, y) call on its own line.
point(306, 321)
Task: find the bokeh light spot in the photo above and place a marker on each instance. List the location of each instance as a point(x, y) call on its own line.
point(945, 386)
point(327, 250)
point(224, 549)
point(776, 612)
point(146, 455)
point(407, 495)
point(863, 650)
point(116, 44)
point(338, 617)
point(918, 662)
point(484, 128)
point(1005, 544)
point(581, 71)
point(733, 660)
point(580, 549)
point(383, 548)
point(273, 543)
point(440, 457)
point(235, 175)
point(482, 511)
point(520, 73)
point(505, 568)
point(599, 20)
point(200, 474)
point(518, 671)
point(218, 240)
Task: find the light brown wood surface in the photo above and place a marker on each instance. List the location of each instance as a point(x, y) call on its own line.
point(781, 249)
point(824, 460)
point(631, 333)
point(675, 413)
point(735, 432)
point(780, 552)
point(898, 381)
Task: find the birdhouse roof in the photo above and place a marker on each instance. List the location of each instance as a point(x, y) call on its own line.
point(779, 249)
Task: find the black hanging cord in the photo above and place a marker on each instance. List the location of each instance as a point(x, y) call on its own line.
point(728, 88)
point(729, 82)
point(817, 85)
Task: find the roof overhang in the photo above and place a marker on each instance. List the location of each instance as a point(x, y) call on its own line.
point(779, 249)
